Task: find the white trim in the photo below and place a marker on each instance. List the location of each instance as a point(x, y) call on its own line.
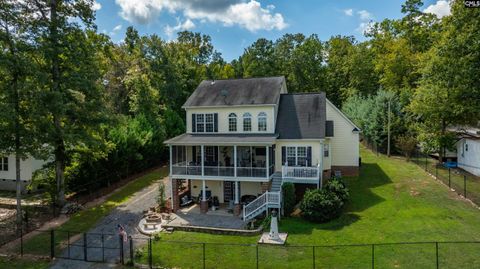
point(222, 106)
point(222, 178)
point(343, 115)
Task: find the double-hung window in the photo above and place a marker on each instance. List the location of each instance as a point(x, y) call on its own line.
point(205, 123)
point(262, 122)
point(297, 156)
point(200, 123)
point(232, 122)
point(247, 122)
point(209, 123)
point(3, 163)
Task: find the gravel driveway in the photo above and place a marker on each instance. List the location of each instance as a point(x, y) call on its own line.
point(128, 215)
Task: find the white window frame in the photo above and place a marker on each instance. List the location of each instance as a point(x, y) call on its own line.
point(326, 150)
point(204, 122)
point(262, 122)
point(247, 118)
point(3, 163)
point(232, 122)
point(293, 152)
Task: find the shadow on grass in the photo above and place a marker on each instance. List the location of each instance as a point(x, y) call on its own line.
point(361, 198)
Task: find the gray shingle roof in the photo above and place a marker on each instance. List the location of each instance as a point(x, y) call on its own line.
point(249, 91)
point(222, 139)
point(301, 116)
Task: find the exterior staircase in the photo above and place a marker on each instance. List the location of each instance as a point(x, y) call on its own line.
point(270, 199)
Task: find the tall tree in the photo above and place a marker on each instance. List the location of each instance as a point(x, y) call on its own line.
point(17, 92)
point(449, 93)
point(72, 95)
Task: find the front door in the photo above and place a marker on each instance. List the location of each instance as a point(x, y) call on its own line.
point(229, 191)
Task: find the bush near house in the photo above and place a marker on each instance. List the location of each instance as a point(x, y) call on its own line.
point(288, 197)
point(322, 205)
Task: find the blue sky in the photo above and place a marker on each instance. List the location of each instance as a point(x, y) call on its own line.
point(235, 24)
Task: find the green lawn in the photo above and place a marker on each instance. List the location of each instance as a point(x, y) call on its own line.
point(86, 219)
point(24, 263)
point(391, 201)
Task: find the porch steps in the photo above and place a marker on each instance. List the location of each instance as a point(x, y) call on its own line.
point(276, 182)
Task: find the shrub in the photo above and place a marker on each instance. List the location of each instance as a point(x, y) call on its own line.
point(289, 198)
point(321, 205)
point(337, 186)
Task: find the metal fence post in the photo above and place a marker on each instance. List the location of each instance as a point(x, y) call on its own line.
point(103, 248)
point(52, 243)
point(150, 258)
point(465, 186)
point(436, 171)
point(21, 240)
point(257, 254)
point(120, 247)
point(449, 184)
point(436, 253)
point(373, 256)
point(203, 255)
point(313, 254)
point(426, 164)
point(85, 247)
point(68, 243)
point(131, 250)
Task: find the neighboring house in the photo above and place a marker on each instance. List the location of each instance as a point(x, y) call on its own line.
point(468, 150)
point(248, 136)
point(8, 171)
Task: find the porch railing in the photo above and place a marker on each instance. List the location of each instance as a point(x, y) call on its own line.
point(298, 172)
point(225, 171)
point(270, 199)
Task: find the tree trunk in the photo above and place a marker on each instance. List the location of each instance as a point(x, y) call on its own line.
point(59, 172)
point(18, 181)
point(55, 72)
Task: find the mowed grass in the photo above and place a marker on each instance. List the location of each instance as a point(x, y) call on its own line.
point(86, 219)
point(391, 201)
point(23, 264)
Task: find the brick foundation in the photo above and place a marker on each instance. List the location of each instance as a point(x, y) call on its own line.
point(347, 170)
point(237, 209)
point(175, 201)
point(265, 186)
point(203, 207)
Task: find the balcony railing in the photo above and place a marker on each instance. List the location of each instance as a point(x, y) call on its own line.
point(299, 172)
point(218, 171)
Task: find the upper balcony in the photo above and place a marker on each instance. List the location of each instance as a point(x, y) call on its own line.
point(223, 162)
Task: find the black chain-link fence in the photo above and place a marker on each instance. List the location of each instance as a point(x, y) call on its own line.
point(464, 183)
point(148, 252)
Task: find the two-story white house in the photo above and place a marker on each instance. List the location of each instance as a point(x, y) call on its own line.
point(248, 136)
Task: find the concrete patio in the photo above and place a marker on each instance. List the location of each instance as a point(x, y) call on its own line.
point(220, 218)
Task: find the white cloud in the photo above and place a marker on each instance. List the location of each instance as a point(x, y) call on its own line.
point(441, 8)
point(187, 25)
point(348, 12)
point(364, 15)
point(96, 6)
point(247, 14)
point(366, 21)
point(116, 29)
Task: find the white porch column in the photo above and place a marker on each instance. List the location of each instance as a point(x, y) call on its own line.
point(171, 160)
point(321, 163)
point(202, 148)
point(267, 162)
point(235, 160)
point(204, 191)
point(236, 192)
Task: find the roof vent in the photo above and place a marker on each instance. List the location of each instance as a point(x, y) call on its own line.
point(212, 83)
point(224, 92)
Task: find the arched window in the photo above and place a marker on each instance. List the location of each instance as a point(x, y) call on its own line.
point(232, 122)
point(247, 122)
point(262, 122)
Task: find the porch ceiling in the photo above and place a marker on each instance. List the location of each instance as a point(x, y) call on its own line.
point(222, 139)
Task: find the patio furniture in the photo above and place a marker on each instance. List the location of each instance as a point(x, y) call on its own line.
point(186, 200)
point(246, 199)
